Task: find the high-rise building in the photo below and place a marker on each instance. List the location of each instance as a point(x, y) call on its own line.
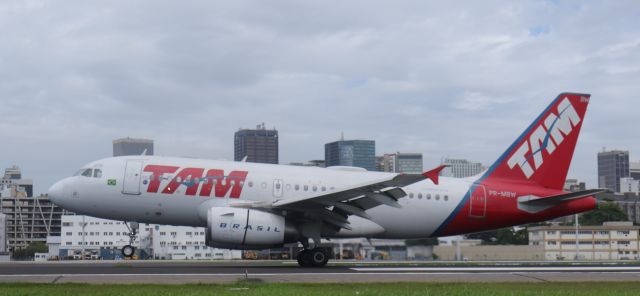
point(574, 185)
point(460, 168)
point(258, 145)
point(28, 218)
point(130, 146)
point(398, 162)
point(634, 170)
point(612, 165)
point(386, 163)
point(409, 163)
point(310, 163)
point(3, 233)
point(12, 180)
point(355, 153)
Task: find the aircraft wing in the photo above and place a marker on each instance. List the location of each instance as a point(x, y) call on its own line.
point(335, 207)
point(384, 191)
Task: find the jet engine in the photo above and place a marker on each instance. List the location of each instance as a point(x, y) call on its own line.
point(246, 229)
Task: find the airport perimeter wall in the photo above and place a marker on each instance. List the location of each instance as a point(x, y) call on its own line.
point(485, 252)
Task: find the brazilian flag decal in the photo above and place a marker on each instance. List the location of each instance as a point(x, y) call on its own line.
point(111, 182)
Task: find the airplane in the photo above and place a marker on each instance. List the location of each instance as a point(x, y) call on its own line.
point(246, 205)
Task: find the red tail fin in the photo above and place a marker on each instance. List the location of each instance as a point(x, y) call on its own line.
point(543, 153)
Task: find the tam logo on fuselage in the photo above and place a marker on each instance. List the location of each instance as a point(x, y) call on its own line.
point(214, 181)
point(556, 127)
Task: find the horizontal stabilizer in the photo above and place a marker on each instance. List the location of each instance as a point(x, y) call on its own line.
point(534, 204)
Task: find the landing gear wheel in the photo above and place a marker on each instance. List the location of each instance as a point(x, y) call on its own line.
point(128, 251)
point(318, 257)
point(303, 258)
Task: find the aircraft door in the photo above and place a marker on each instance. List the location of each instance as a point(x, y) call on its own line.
point(278, 187)
point(132, 176)
point(478, 202)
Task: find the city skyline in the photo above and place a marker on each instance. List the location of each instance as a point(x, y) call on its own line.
point(74, 78)
point(39, 188)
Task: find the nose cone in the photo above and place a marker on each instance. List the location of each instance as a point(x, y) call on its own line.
point(56, 192)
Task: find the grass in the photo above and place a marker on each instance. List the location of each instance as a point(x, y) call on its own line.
point(283, 289)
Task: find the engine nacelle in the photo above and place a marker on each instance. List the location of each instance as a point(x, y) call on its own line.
point(237, 228)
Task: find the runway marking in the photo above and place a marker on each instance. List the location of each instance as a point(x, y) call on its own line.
point(512, 269)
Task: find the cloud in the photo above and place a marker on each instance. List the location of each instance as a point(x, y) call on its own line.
point(460, 79)
point(474, 101)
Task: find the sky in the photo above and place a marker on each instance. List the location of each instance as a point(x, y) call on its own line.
point(444, 78)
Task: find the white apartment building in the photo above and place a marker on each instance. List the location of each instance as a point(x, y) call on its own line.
point(611, 241)
point(84, 237)
point(88, 235)
point(629, 185)
point(185, 243)
point(460, 168)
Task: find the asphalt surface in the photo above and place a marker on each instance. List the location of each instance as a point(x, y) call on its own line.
point(287, 271)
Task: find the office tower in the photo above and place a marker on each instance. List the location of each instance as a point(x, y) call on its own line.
point(355, 153)
point(612, 165)
point(130, 146)
point(258, 145)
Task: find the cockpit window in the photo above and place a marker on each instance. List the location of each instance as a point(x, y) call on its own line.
point(86, 173)
point(97, 173)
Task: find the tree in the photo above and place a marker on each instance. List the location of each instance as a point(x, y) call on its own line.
point(30, 250)
point(606, 211)
point(502, 236)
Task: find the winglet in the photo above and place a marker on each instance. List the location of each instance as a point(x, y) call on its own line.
point(434, 174)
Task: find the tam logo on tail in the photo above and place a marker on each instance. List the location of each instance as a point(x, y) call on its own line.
point(548, 135)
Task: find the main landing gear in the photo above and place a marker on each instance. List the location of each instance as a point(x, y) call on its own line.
point(129, 250)
point(316, 257)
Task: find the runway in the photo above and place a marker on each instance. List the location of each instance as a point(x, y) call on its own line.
point(279, 271)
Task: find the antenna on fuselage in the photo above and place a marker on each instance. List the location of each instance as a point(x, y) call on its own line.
point(144, 152)
point(244, 159)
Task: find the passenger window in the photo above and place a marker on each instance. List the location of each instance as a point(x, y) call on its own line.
point(411, 195)
point(97, 173)
point(428, 195)
point(288, 186)
point(306, 187)
point(314, 188)
point(437, 196)
point(420, 195)
point(250, 183)
point(446, 198)
point(297, 187)
point(86, 173)
point(277, 185)
point(324, 188)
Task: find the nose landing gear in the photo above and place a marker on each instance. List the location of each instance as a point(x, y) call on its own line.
point(129, 250)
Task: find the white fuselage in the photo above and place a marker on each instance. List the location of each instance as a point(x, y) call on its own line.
point(121, 195)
